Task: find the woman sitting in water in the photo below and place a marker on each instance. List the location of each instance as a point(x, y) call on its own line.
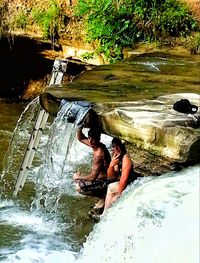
point(121, 169)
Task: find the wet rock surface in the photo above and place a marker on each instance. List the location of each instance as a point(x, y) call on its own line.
point(134, 101)
point(158, 137)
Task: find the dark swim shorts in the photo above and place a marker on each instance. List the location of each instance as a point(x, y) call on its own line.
point(96, 188)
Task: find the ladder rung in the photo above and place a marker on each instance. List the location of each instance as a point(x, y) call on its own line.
point(59, 68)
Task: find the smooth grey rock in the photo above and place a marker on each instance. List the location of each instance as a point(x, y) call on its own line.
point(155, 126)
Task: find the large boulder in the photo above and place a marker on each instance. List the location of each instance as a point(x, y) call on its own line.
point(158, 138)
point(155, 126)
point(156, 129)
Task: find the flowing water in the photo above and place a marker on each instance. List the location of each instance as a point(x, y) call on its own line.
point(156, 220)
point(48, 215)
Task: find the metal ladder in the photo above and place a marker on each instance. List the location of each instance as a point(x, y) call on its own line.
point(59, 68)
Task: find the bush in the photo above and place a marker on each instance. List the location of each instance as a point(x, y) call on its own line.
point(113, 25)
point(48, 19)
point(21, 20)
point(193, 43)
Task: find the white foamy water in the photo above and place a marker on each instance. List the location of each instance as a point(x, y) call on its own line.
point(156, 220)
point(28, 255)
point(38, 238)
point(28, 220)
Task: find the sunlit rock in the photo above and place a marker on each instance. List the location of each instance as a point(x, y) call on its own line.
point(155, 126)
point(134, 101)
point(158, 137)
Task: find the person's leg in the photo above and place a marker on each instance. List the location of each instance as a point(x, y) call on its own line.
point(83, 187)
point(100, 203)
point(111, 195)
point(99, 190)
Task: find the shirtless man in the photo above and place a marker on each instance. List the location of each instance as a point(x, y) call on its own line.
point(95, 183)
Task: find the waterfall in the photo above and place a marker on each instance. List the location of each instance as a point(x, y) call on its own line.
point(49, 178)
point(54, 176)
point(49, 163)
point(17, 146)
point(156, 220)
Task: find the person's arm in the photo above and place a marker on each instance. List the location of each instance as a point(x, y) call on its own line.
point(96, 169)
point(112, 171)
point(126, 170)
point(81, 137)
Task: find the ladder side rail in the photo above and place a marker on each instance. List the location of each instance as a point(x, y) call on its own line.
point(26, 162)
point(59, 68)
point(32, 139)
point(37, 132)
point(18, 187)
point(34, 149)
point(26, 165)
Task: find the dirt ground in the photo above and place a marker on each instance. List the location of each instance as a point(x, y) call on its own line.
point(195, 6)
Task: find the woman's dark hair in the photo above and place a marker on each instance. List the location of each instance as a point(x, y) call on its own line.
point(119, 143)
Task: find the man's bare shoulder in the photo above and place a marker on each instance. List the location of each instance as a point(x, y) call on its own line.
point(100, 151)
point(101, 147)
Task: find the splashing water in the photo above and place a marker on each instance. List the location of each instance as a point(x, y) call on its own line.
point(18, 143)
point(49, 178)
point(156, 220)
point(41, 229)
point(54, 177)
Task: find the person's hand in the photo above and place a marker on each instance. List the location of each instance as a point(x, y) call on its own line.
point(76, 176)
point(85, 122)
point(115, 159)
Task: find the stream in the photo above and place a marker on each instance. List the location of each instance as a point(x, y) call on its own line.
point(156, 220)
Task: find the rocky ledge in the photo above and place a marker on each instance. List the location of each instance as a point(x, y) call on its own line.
point(134, 101)
point(158, 138)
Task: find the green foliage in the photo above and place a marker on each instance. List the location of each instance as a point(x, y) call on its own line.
point(87, 55)
point(193, 43)
point(115, 24)
point(48, 19)
point(4, 23)
point(21, 20)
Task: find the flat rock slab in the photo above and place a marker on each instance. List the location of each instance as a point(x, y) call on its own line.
point(147, 76)
point(155, 126)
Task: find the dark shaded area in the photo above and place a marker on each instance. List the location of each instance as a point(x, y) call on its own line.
point(21, 60)
point(76, 66)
